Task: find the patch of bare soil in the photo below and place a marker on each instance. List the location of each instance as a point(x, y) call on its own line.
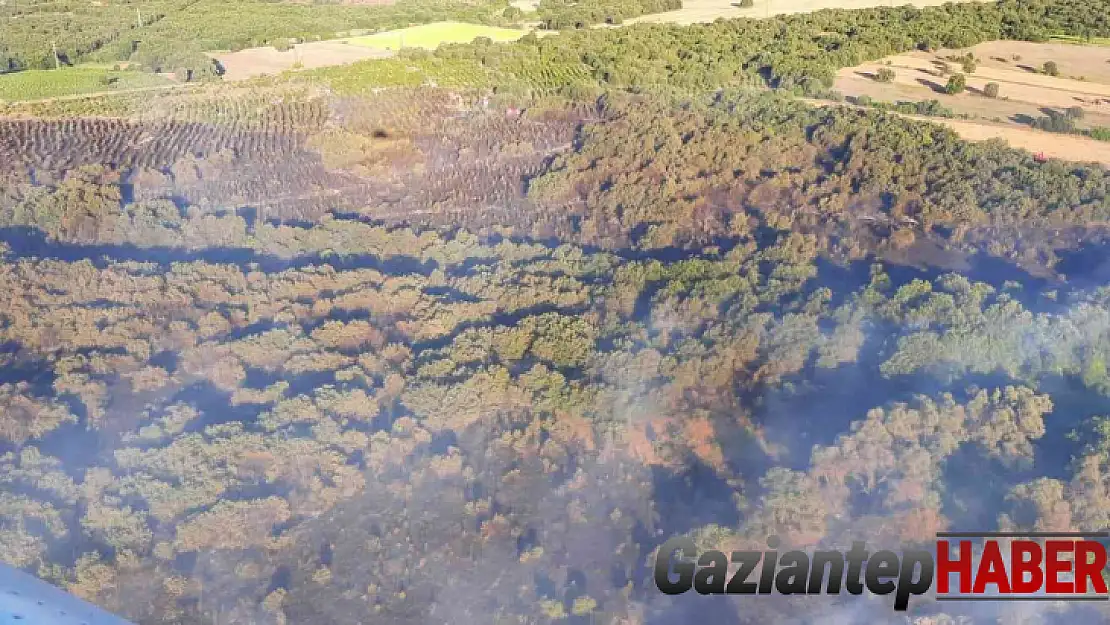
point(1088, 61)
point(254, 62)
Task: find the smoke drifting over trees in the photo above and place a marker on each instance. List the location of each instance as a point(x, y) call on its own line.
point(725, 317)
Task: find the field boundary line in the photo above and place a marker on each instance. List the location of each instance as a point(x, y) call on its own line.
point(99, 94)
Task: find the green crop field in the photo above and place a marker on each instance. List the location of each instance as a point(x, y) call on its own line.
point(431, 36)
point(69, 81)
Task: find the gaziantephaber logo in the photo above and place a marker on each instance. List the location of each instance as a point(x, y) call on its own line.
point(967, 566)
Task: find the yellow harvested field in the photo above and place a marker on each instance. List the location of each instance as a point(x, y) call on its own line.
point(1022, 90)
point(1089, 61)
point(431, 36)
point(1025, 93)
point(919, 79)
point(254, 62)
point(703, 11)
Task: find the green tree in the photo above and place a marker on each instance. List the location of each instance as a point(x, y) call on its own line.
point(1095, 375)
point(956, 84)
point(1051, 68)
point(991, 90)
point(885, 74)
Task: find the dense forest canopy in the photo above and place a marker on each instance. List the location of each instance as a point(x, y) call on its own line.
point(339, 420)
point(345, 347)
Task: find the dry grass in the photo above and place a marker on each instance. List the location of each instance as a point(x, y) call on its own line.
point(703, 11)
point(1024, 93)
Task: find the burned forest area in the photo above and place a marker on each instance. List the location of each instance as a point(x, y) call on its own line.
point(314, 349)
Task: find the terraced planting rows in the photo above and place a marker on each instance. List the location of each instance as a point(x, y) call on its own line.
point(220, 165)
point(433, 154)
point(75, 142)
point(419, 155)
point(403, 72)
point(272, 113)
point(280, 107)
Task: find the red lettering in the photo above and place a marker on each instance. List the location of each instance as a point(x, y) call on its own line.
point(1090, 560)
point(960, 566)
point(1054, 566)
point(992, 570)
point(1021, 565)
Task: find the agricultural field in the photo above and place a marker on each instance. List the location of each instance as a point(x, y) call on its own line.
point(222, 163)
point(74, 81)
point(431, 36)
point(267, 60)
point(1025, 92)
point(705, 11)
point(297, 157)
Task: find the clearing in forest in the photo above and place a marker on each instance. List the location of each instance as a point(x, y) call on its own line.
point(704, 11)
point(431, 36)
point(1025, 92)
point(267, 60)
